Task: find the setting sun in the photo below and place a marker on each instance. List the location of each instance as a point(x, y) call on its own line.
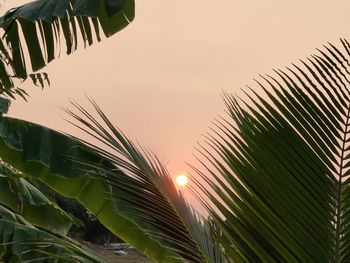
point(181, 180)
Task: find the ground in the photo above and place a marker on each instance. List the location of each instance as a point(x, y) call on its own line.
point(109, 254)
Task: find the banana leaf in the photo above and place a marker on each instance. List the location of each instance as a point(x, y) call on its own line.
point(22, 242)
point(47, 155)
point(25, 199)
point(35, 33)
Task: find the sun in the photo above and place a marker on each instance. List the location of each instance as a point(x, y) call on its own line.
point(181, 180)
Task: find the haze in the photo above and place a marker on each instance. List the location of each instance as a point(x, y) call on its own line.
point(161, 79)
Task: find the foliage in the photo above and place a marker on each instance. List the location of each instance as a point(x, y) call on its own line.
point(4, 105)
point(45, 24)
point(34, 34)
point(277, 182)
point(145, 193)
point(47, 155)
point(32, 227)
point(26, 200)
point(21, 242)
point(44, 154)
point(277, 171)
point(85, 226)
point(280, 166)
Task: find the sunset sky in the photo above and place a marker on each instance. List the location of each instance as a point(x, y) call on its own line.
point(161, 79)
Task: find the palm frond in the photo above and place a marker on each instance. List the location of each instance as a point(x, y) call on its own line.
point(279, 167)
point(35, 33)
point(147, 195)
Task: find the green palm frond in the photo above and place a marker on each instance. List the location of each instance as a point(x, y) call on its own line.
point(278, 170)
point(147, 196)
point(36, 32)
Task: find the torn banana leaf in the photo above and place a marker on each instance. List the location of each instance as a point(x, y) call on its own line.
point(36, 32)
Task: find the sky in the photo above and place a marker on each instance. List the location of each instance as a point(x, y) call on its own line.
point(161, 79)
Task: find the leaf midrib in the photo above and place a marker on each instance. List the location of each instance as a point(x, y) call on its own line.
point(339, 190)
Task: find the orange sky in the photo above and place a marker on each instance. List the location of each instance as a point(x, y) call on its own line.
point(161, 79)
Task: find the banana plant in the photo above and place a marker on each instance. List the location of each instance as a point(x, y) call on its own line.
point(47, 26)
point(32, 227)
point(20, 241)
point(131, 195)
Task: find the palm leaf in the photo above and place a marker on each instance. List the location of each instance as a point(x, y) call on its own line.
point(145, 193)
point(278, 169)
point(44, 25)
